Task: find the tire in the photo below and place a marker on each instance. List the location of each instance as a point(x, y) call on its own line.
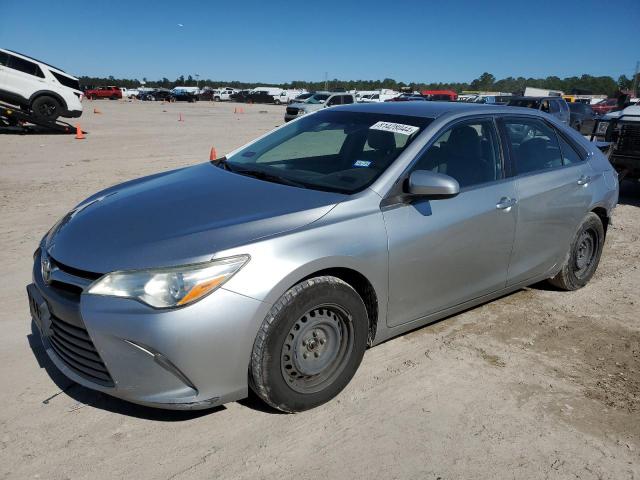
point(310, 345)
point(216, 99)
point(113, 97)
point(583, 256)
point(277, 102)
point(46, 108)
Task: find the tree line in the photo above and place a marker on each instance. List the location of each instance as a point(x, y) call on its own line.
point(584, 84)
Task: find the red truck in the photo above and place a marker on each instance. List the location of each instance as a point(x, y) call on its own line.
point(446, 95)
point(113, 93)
point(605, 106)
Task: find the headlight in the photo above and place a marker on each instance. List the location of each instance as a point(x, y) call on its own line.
point(169, 287)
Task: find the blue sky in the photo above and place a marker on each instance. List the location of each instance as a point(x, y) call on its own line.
point(279, 41)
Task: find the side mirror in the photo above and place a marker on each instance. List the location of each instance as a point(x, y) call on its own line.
point(431, 185)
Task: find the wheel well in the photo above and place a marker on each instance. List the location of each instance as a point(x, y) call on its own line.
point(362, 286)
point(602, 214)
point(46, 93)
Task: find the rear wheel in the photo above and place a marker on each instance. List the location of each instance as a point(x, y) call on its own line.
point(310, 345)
point(46, 108)
point(584, 255)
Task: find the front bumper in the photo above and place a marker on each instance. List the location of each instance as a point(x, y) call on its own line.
point(189, 358)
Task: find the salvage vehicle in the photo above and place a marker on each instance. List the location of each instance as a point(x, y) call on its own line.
point(317, 101)
point(340, 230)
point(39, 89)
point(605, 106)
point(621, 129)
point(554, 106)
point(582, 117)
point(112, 93)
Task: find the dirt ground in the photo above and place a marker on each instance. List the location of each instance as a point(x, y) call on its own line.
point(539, 384)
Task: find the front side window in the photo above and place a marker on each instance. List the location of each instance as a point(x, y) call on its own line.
point(467, 152)
point(330, 150)
point(534, 145)
point(554, 106)
point(346, 99)
point(334, 100)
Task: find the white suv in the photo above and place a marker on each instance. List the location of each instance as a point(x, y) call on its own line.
point(47, 92)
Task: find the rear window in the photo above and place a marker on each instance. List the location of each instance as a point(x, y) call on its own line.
point(66, 81)
point(525, 102)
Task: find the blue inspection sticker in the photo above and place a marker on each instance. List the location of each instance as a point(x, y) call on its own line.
point(362, 163)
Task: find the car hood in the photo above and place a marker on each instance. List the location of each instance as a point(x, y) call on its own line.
point(179, 217)
point(631, 110)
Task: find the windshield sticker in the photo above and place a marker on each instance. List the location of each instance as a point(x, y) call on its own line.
point(395, 128)
point(361, 163)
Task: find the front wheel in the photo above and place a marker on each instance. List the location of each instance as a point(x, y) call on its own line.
point(583, 256)
point(310, 345)
point(46, 108)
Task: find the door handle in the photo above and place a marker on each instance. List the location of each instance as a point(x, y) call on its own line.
point(506, 203)
point(584, 180)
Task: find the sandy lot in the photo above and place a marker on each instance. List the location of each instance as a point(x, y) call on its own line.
point(539, 384)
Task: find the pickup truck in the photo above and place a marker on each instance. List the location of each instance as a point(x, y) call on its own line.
point(112, 93)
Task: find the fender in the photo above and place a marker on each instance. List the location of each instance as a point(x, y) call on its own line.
point(48, 93)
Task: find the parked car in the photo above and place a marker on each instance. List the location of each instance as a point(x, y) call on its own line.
point(582, 117)
point(440, 95)
point(340, 230)
point(493, 99)
point(45, 91)
point(160, 94)
point(302, 97)
point(318, 101)
point(112, 93)
point(407, 97)
point(605, 106)
point(259, 96)
point(240, 96)
point(622, 129)
point(554, 106)
point(129, 92)
point(184, 96)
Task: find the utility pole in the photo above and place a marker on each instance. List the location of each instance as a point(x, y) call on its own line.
point(326, 88)
point(634, 88)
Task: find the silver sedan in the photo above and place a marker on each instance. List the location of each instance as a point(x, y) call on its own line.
point(275, 267)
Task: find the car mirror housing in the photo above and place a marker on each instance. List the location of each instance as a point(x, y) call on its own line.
point(431, 185)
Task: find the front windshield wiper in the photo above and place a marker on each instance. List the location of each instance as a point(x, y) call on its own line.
point(270, 177)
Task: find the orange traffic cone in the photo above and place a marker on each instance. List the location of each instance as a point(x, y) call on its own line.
point(79, 133)
point(180, 118)
point(95, 110)
point(213, 155)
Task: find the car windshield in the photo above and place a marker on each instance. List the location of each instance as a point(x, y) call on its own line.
point(316, 98)
point(337, 151)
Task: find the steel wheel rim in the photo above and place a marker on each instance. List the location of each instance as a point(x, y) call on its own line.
point(316, 348)
point(586, 248)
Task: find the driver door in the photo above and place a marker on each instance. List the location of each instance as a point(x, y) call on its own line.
point(445, 252)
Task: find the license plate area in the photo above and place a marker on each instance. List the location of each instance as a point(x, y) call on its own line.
point(39, 310)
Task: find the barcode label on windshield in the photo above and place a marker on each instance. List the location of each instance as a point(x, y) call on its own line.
point(395, 128)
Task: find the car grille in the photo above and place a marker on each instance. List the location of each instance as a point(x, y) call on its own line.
point(75, 348)
point(292, 111)
point(629, 139)
point(69, 339)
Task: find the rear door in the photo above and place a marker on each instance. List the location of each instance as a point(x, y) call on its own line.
point(553, 184)
point(23, 77)
point(445, 252)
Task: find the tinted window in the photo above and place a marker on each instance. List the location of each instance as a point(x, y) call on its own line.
point(25, 66)
point(467, 152)
point(534, 145)
point(334, 100)
point(554, 106)
point(569, 154)
point(346, 99)
point(66, 81)
point(3, 58)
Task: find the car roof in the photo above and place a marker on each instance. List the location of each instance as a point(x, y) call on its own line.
point(536, 98)
point(433, 109)
point(33, 59)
